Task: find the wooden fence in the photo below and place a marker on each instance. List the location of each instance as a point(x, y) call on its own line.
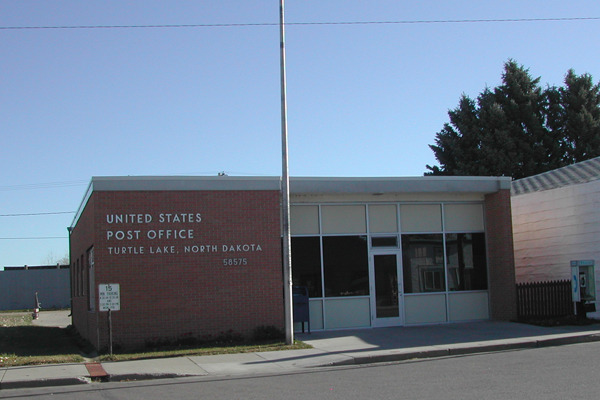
point(544, 299)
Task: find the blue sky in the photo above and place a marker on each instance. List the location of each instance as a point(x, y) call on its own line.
point(364, 99)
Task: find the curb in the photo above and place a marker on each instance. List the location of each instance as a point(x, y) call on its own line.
point(560, 341)
point(147, 376)
point(38, 383)
point(84, 380)
point(466, 350)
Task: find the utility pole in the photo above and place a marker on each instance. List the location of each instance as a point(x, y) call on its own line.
point(285, 192)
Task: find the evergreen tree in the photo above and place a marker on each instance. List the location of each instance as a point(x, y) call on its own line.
point(458, 142)
point(518, 129)
point(580, 100)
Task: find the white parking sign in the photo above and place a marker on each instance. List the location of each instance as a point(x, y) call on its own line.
point(109, 297)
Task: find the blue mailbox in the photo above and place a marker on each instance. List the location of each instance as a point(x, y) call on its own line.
point(301, 309)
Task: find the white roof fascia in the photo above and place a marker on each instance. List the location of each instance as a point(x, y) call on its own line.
point(158, 183)
point(426, 184)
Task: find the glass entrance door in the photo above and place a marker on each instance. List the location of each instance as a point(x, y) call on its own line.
point(386, 289)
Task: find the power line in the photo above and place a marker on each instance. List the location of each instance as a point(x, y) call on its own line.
point(44, 213)
point(34, 238)
point(450, 21)
point(42, 185)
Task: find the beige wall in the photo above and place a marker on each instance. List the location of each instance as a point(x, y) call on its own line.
point(553, 227)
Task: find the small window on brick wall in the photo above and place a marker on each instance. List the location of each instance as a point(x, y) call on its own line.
point(74, 279)
point(90, 280)
point(77, 278)
point(82, 277)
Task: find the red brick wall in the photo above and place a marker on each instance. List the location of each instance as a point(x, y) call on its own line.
point(81, 240)
point(501, 256)
point(169, 288)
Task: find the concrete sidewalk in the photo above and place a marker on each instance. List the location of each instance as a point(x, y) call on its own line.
point(333, 348)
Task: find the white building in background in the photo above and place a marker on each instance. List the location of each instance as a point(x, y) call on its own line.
point(556, 219)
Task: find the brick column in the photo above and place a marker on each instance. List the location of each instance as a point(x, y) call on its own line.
point(503, 290)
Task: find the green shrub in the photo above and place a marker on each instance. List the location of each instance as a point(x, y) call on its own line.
point(267, 332)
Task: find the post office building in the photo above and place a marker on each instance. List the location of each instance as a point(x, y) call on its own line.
point(199, 256)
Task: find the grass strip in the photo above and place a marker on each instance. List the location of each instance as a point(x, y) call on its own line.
point(22, 343)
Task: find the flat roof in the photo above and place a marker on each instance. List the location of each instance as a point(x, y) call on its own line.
point(299, 185)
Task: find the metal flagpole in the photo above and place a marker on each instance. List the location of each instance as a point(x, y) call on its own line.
point(285, 188)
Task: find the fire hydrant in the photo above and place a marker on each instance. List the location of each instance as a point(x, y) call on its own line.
point(36, 309)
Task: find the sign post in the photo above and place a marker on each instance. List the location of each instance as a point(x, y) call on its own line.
point(109, 296)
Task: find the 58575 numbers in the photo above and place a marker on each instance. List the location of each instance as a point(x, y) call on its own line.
point(235, 261)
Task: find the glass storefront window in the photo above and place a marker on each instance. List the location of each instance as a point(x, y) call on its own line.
point(306, 264)
point(346, 266)
point(467, 267)
point(384, 241)
point(423, 263)
point(338, 266)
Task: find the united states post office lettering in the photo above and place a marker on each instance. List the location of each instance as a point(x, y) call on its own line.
point(134, 218)
point(151, 234)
